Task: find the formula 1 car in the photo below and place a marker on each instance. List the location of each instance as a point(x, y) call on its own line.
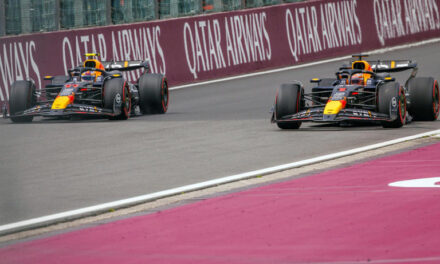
point(94, 88)
point(363, 91)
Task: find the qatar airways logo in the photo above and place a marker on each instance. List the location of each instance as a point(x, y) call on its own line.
point(121, 45)
point(17, 62)
point(401, 18)
point(313, 29)
point(215, 44)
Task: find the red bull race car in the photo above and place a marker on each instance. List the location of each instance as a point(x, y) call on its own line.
point(361, 92)
point(95, 88)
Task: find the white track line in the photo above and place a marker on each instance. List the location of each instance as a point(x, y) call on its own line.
point(378, 51)
point(87, 211)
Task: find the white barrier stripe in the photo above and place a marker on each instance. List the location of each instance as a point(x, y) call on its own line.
point(378, 51)
point(83, 212)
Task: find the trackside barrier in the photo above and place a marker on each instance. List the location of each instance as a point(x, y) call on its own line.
point(218, 45)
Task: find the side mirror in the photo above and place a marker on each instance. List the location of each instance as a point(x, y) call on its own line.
point(315, 80)
point(48, 78)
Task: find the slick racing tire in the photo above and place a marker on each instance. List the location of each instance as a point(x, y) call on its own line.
point(385, 94)
point(423, 99)
point(153, 94)
point(116, 95)
point(22, 97)
point(287, 102)
point(319, 93)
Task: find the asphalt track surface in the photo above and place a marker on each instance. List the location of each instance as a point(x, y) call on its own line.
point(339, 216)
point(210, 131)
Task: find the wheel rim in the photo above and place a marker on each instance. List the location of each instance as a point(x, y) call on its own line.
point(127, 103)
point(435, 103)
point(402, 105)
point(164, 96)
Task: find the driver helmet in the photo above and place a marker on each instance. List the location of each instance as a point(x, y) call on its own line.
point(357, 78)
point(88, 76)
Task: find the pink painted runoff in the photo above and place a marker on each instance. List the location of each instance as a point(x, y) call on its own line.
point(346, 215)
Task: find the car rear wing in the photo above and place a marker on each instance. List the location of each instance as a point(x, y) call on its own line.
point(395, 66)
point(125, 65)
point(392, 65)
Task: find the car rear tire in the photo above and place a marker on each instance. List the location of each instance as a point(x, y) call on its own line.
point(288, 102)
point(153, 94)
point(423, 98)
point(22, 97)
point(386, 93)
point(113, 89)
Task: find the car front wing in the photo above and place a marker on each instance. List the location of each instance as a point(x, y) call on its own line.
point(348, 114)
point(73, 109)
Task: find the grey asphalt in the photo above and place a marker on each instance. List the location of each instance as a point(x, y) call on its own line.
point(210, 131)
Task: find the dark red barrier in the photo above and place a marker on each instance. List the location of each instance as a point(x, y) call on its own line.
point(218, 45)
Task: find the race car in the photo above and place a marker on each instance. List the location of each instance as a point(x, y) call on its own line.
point(362, 91)
point(93, 88)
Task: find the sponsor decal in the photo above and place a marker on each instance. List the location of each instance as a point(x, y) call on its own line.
point(302, 115)
point(394, 102)
point(31, 110)
point(119, 45)
point(91, 109)
point(220, 43)
point(35, 109)
point(117, 103)
point(318, 28)
point(363, 113)
point(400, 18)
point(118, 99)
